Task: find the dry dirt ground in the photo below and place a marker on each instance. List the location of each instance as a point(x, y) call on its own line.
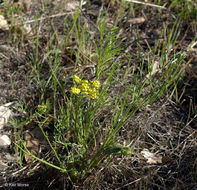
point(165, 127)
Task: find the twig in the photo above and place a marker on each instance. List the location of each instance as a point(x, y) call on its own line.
point(147, 4)
point(56, 15)
point(132, 182)
point(192, 46)
point(52, 16)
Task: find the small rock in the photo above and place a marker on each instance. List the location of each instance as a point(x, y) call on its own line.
point(4, 141)
point(5, 113)
point(3, 23)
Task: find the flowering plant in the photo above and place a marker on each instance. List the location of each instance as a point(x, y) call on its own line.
point(86, 88)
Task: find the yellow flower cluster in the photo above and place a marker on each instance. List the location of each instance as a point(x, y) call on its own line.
point(86, 88)
point(77, 79)
point(42, 108)
point(75, 90)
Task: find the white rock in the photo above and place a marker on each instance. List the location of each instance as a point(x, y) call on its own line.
point(4, 141)
point(151, 157)
point(3, 23)
point(5, 113)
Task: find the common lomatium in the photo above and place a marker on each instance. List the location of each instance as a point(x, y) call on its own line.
point(86, 88)
point(96, 84)
point(75, 90)
point(77, 79)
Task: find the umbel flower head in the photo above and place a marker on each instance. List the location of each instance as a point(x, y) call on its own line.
point(96, 84)
point(77, 79)
point(83, 87)
point(75, 90)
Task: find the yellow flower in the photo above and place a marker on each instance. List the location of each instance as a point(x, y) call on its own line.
point(84, 82)
point(42, 108)
point(77, 79)
point(96, 84)
point(85, 92)
point(93, 96)
point(94, 93)
point(84, 87)
point(75, 90)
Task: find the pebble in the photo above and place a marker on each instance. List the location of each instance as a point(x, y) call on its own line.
point(5, 141)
